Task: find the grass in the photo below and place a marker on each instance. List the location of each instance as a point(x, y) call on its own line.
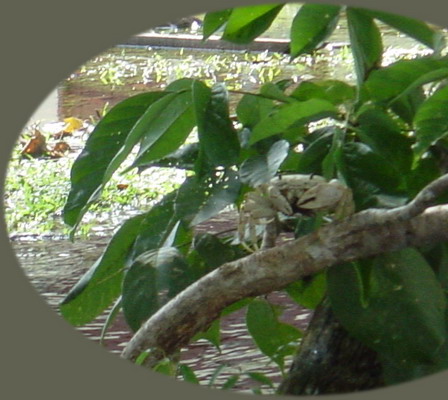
point(36, 190)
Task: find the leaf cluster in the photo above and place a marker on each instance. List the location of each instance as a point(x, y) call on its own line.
point(384, 136)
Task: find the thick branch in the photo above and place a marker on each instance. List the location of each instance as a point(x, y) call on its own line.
point(365, 234)
point(426, 198)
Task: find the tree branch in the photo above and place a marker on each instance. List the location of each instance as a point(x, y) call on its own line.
point(362, 235)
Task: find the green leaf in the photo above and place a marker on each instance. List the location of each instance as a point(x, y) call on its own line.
point(262, 378)
point(404, 371)
point(156, 227)
point(432, 76)
point(180, 235)
point(273, 91)
point(140, 299)
point(309, 90)
point(142, 357)
point(442, 270)
point(166, 128)
point(166, 366)
point(363, 164)
point(215, 374)
point(365, 39)
point(92, 169)
point(188, 374)
point(382, 134)
point(311, 159)
point(403, 318)
point(154, 278)
point(190, 197)
point(275, 339)
point(213, 21)
point(312, 24)
point(230, 382)
point(246, 23)
point(431, 120)
point(139, 130)
point(251, 109)
point(437, 257)
point(212, 334)
point(333, 160)
point(219, 196)
point(217, 136)
point(336, 92)
point(308, 292)
point(396, 79)
point(263, 167)
point(200, 199)
point(418, 30)
point(307, 224)
point(289, 114)
point(214, 251)
point(183, 158)
point(425, 170)
point(284, 84)
point(111, 317)
point(236, 306)
point(101, 284)
point(201, 94)
point(407, 104)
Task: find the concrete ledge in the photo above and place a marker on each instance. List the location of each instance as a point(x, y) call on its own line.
point(212, 43)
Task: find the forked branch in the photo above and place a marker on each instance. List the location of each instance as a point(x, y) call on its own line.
point(366, 234)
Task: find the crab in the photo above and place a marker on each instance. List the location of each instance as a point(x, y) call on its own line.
point(292, 195)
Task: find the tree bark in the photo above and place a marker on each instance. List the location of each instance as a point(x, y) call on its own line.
point(363, 235)
point(330, 361)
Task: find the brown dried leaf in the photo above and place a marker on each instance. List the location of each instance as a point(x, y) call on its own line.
point(36, 146)
point(122, 186)
point(59, 149)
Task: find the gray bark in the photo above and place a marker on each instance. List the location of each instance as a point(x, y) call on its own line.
point(364, 234)
point(330, 361)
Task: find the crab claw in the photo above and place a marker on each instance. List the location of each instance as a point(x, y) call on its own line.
point(278, 201)
point(323, 196)
point(259, 207)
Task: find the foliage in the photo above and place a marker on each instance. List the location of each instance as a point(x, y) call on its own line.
point(384, 136)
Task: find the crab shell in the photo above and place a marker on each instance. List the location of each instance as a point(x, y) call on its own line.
point(287, 192)
point(291, 194)
point(328, 196)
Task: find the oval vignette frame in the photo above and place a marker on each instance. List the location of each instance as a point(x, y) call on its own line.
point(44, 355)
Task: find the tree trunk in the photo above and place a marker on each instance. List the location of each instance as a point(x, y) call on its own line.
point(329, 361)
